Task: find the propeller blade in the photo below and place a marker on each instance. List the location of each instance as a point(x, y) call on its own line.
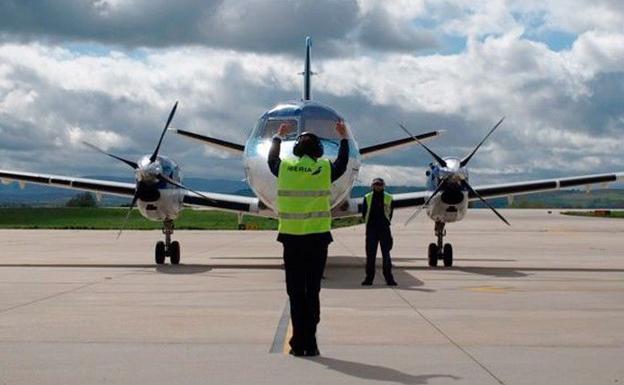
point(467, 159)
point(435, 156)
point(467, 186)
point(126, 161)
point(123, 225)
point(165, 178)
point(418, 210)
point(173, 110)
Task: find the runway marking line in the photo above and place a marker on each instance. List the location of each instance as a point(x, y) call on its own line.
point(287, 337)
point(490, 289)
point(283, 331)
point(449, 338)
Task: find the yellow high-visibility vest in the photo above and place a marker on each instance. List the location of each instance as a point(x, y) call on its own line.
point(304, 196)
point(387, 205)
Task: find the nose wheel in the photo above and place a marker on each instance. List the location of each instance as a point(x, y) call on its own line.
point(441, 250)
point(167, 248)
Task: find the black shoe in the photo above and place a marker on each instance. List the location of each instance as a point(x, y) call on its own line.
point(297, 352)
point(391, 282)
point(367, 282)
point(312, 352)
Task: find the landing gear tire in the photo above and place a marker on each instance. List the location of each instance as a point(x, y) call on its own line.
point(448, 255)
point(174, 253)
point(160, 252)
point(433, 255)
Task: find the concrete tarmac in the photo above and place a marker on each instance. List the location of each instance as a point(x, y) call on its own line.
point(541, 302)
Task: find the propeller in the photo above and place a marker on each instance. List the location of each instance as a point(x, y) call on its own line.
point(160, 176)
point(164, 178)
point(155, 154)
point(130, 163)
point(463, 182)
point(469, 188)
point(418, 210)
point(467, 159)
point(135, 198)
point(435, 156)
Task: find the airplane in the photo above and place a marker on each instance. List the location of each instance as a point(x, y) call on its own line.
point(160, 195)
point(449, 193)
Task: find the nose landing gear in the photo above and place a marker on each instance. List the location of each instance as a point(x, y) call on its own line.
point(167, 248)
point(440, 250)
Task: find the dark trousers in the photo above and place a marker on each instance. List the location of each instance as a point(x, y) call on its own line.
point(378, 237)
point(304, 263)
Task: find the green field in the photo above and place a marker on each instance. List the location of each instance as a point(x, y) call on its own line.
point(112, 218)
point(609, 214)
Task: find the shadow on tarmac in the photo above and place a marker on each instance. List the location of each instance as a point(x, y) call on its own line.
point(410, 259)
point(376, 372)
point(357, 269)
point(183, 269)
point(503, 272)
point(337, 276)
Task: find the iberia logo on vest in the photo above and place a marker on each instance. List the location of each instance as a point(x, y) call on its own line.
point(305, 169)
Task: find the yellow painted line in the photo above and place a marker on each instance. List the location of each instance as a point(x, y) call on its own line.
point(490, 289)
point(286, 347)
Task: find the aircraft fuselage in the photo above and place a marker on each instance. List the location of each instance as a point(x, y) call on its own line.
point(304, 116)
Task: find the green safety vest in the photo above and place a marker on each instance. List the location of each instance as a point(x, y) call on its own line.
point(304, 196)
point(387, 205)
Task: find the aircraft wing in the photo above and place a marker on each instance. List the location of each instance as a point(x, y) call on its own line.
point(83, 184)
point(227, 202)
point(234, 148)
point(366, 152)
point(520, 188)
point(510, 189)
point(381, 148)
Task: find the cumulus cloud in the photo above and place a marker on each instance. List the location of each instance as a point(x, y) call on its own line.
point(563, 106)
point(396, 175)
point(248, 25)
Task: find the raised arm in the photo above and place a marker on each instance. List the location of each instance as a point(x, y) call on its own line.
point(274, 159)
point(339, 166)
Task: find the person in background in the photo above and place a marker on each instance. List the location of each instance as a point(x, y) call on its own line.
point(377, 214)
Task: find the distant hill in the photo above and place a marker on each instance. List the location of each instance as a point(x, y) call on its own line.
point(34, 195)
point(581, 199)
point(37, 195)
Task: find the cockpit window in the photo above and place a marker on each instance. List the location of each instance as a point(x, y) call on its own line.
point(323, 128)
point(273, 124)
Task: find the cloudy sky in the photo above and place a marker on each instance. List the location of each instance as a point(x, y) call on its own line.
point(109, 71)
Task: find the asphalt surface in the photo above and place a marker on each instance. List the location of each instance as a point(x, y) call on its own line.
point(541, 302)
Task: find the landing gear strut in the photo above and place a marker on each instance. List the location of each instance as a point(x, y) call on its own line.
point(440, 250)
point(167, 248)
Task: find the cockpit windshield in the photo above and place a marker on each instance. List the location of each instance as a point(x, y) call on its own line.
point(273, 124)
point(323, 128)
point(305, 116)
point(320, 120)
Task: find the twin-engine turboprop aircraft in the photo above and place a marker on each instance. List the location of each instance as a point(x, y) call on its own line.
point(160, 194)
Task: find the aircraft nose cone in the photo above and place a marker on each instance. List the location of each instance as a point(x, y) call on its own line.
point(452, 164)
point(148, 172)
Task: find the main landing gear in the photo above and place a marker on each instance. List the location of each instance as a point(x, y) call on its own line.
point(167, 248)
point(440, 250)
